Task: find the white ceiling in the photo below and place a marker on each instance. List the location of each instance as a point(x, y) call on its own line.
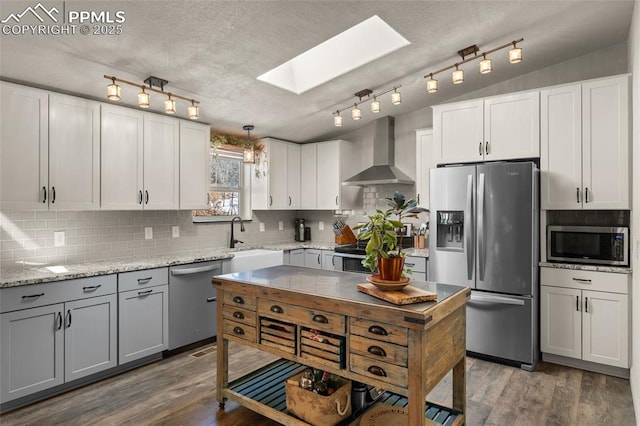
point(214, 50)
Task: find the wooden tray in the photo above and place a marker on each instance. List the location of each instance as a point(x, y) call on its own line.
point(405, 296)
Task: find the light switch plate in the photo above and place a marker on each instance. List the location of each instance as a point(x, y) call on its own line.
point(58, 239)
point(321, 226)
point(281, 226)
point(148, 233)
point(261, 226)
point(175, 231)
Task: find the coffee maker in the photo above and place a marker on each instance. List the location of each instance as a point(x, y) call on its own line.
point(299, 230)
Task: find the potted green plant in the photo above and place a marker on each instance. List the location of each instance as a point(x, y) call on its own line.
point(384, 248)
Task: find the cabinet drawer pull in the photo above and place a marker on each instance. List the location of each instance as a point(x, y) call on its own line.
point(486, 147)
point(146, 197)
point(578, 195)
point(270, 200)
point(44, 194)
point(377, 350)
point(59, 320)
point(53, 195)
point(376, 329)
point(211, 299)
point(586, 195)
point(33, 296)
point(289, 200)
point(140, 197)
point(480, 149)
point(337, 204)
point(142, 293)
point(277, 309)
point(238, 330)
point(68, 318)
point(321, 319)
point(581, 280)
point(586, 304)
point(411, 265)
point(144, 280)
point(91, 287)
point(578, 303)
point(238, 315)
point(374, 369)
point(239, 300)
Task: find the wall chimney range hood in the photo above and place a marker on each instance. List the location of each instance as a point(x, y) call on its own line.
point(383, 171)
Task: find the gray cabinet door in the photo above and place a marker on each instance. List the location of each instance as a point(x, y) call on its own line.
point(31, 351)
point(329, 261)
point(143, 323)
point(312, 258)
point(296, 257)
point(90, 336)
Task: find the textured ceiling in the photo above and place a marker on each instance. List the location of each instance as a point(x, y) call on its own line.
point(214, 50)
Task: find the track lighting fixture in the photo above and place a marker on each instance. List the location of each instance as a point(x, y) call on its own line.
point(113, 94)
point(485, 65)
point(368, 95)
point(248, 154)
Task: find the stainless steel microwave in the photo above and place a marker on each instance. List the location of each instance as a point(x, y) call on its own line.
point(598, 245)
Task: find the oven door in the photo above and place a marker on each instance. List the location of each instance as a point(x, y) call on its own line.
point(352, 263)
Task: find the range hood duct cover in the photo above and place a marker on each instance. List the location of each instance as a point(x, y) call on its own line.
point(383, 171)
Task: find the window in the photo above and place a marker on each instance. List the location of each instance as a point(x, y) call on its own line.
point(228, 187)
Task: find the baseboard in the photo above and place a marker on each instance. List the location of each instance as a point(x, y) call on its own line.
point(586, 365)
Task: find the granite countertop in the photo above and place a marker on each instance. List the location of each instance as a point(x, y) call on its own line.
point(580, 267)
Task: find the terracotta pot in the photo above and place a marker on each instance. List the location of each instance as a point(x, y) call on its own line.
point(390, 269)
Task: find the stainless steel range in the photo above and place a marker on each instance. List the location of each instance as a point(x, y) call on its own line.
point(352, 255)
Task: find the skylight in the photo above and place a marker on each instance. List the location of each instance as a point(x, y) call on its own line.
point(365, 42)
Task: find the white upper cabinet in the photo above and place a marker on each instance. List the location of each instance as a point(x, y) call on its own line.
point(585, 145)
point(335, 163)
point(161, 166)
point(24, 134)
point(74, 153)
point(308, 176)
point(194, 165)
point(278, 185)
point(425, 161)
point(497, 128)
point(293, 176)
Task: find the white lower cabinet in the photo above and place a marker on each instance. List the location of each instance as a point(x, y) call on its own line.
point(55, 333)
point(296, 257)
point(330, 261)
point(313, 258)
point(580, 321)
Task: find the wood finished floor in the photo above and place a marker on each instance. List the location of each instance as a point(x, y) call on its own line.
point(180, 391)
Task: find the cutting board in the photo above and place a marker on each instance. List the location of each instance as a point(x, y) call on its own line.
point(405, 296)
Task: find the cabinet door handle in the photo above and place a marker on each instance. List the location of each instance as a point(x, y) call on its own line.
point(44, 194)
point(277, 309)
point(289, 200)
point(238, 315)
point(59, 321)
point(53, 194)
point(270, 200)
point(91, 287)
point(68, 318)
point(578, 303)
point(581, 280)
point(238, 330)
point(144, 280)
point(320, 318)
point(480, 149)
point(146, 197)
point(319, 261)
point(333, 260)
point(376, 329)
point(33, 296)
point(377, 350)
point(239, 300)
point(486, 147)
point(337, 204)
point(578, 195)
point(418, 199)
point(211, 299)
point(586, 195)
point(140, 197)
point(374, 369)
point(144, 293)
point(586, 304)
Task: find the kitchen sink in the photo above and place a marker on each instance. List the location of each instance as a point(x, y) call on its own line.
point(246, 260)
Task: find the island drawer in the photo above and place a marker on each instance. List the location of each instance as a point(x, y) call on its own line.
point(323, 348)
point(312, 318)
point(240, 331)
point(378, 331)
point(379, 370)
point(240, 300)
point(382, 351)
point(279, 335)
point(237, 314)
point(142, 279)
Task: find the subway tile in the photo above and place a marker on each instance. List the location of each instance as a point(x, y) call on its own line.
point(103, 247)
point(65, 250)
point(5, 235)
point(86, 215)
point(45, 215)
point(6, 254)
point(93, 239)
point(85, 248)
point(44, 233)
point(86, 231)
point(22, 215)
point(73, 241)
point(24, 253)
point(11, 245)
point(110, 238)
point(76, 258)
point(9, 265)
point(76, 223)
point(35, 224)
point(57, 225)
point(47, 251)
point(67, 215)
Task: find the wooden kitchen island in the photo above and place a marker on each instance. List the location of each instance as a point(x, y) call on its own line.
point(405, 350)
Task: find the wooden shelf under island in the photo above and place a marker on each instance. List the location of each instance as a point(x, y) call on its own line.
point(404, 349)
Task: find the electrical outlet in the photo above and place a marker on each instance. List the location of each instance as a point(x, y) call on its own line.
point(148, 233)
point(261, 226)
point(175, 231)
point(321, 226)
point(58, 239)
point(281, 226)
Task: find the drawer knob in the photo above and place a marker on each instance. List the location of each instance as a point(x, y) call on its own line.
point(277, 309)
point(376, 329)
point(374, 369)
point(238, 330)
point(238, 315)
point(321, 319)
point(239, 300)
point(377, 350)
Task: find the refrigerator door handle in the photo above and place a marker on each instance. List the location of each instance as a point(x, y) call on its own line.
point(481, 242)
point(503, 300)
point(468, 224)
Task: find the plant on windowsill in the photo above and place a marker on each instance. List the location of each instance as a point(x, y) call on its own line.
point(384, 248)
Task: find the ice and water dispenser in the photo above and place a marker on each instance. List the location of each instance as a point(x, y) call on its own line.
point(450, 229)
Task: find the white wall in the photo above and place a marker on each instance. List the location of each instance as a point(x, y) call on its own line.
point(634, 67)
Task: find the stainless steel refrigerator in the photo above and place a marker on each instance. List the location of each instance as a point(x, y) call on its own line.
point(484, 234)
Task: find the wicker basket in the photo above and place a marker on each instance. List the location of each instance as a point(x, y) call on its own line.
point(316, 409)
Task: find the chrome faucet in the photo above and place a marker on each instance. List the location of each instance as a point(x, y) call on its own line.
point(233, 241)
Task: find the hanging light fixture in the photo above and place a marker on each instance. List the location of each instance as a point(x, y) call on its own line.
point(113, 90)
point(143, 99)
point(515, 54)
point(396, 97)
point(375, 105)
point(170, 105)
point(457, 75)
point(356, 114)
point(485, 65)
point(193, 110)
point(432, 84)
point(337, 119)
point(248, 154)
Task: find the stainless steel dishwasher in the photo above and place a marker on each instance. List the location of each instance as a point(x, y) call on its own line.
point(192, 307)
